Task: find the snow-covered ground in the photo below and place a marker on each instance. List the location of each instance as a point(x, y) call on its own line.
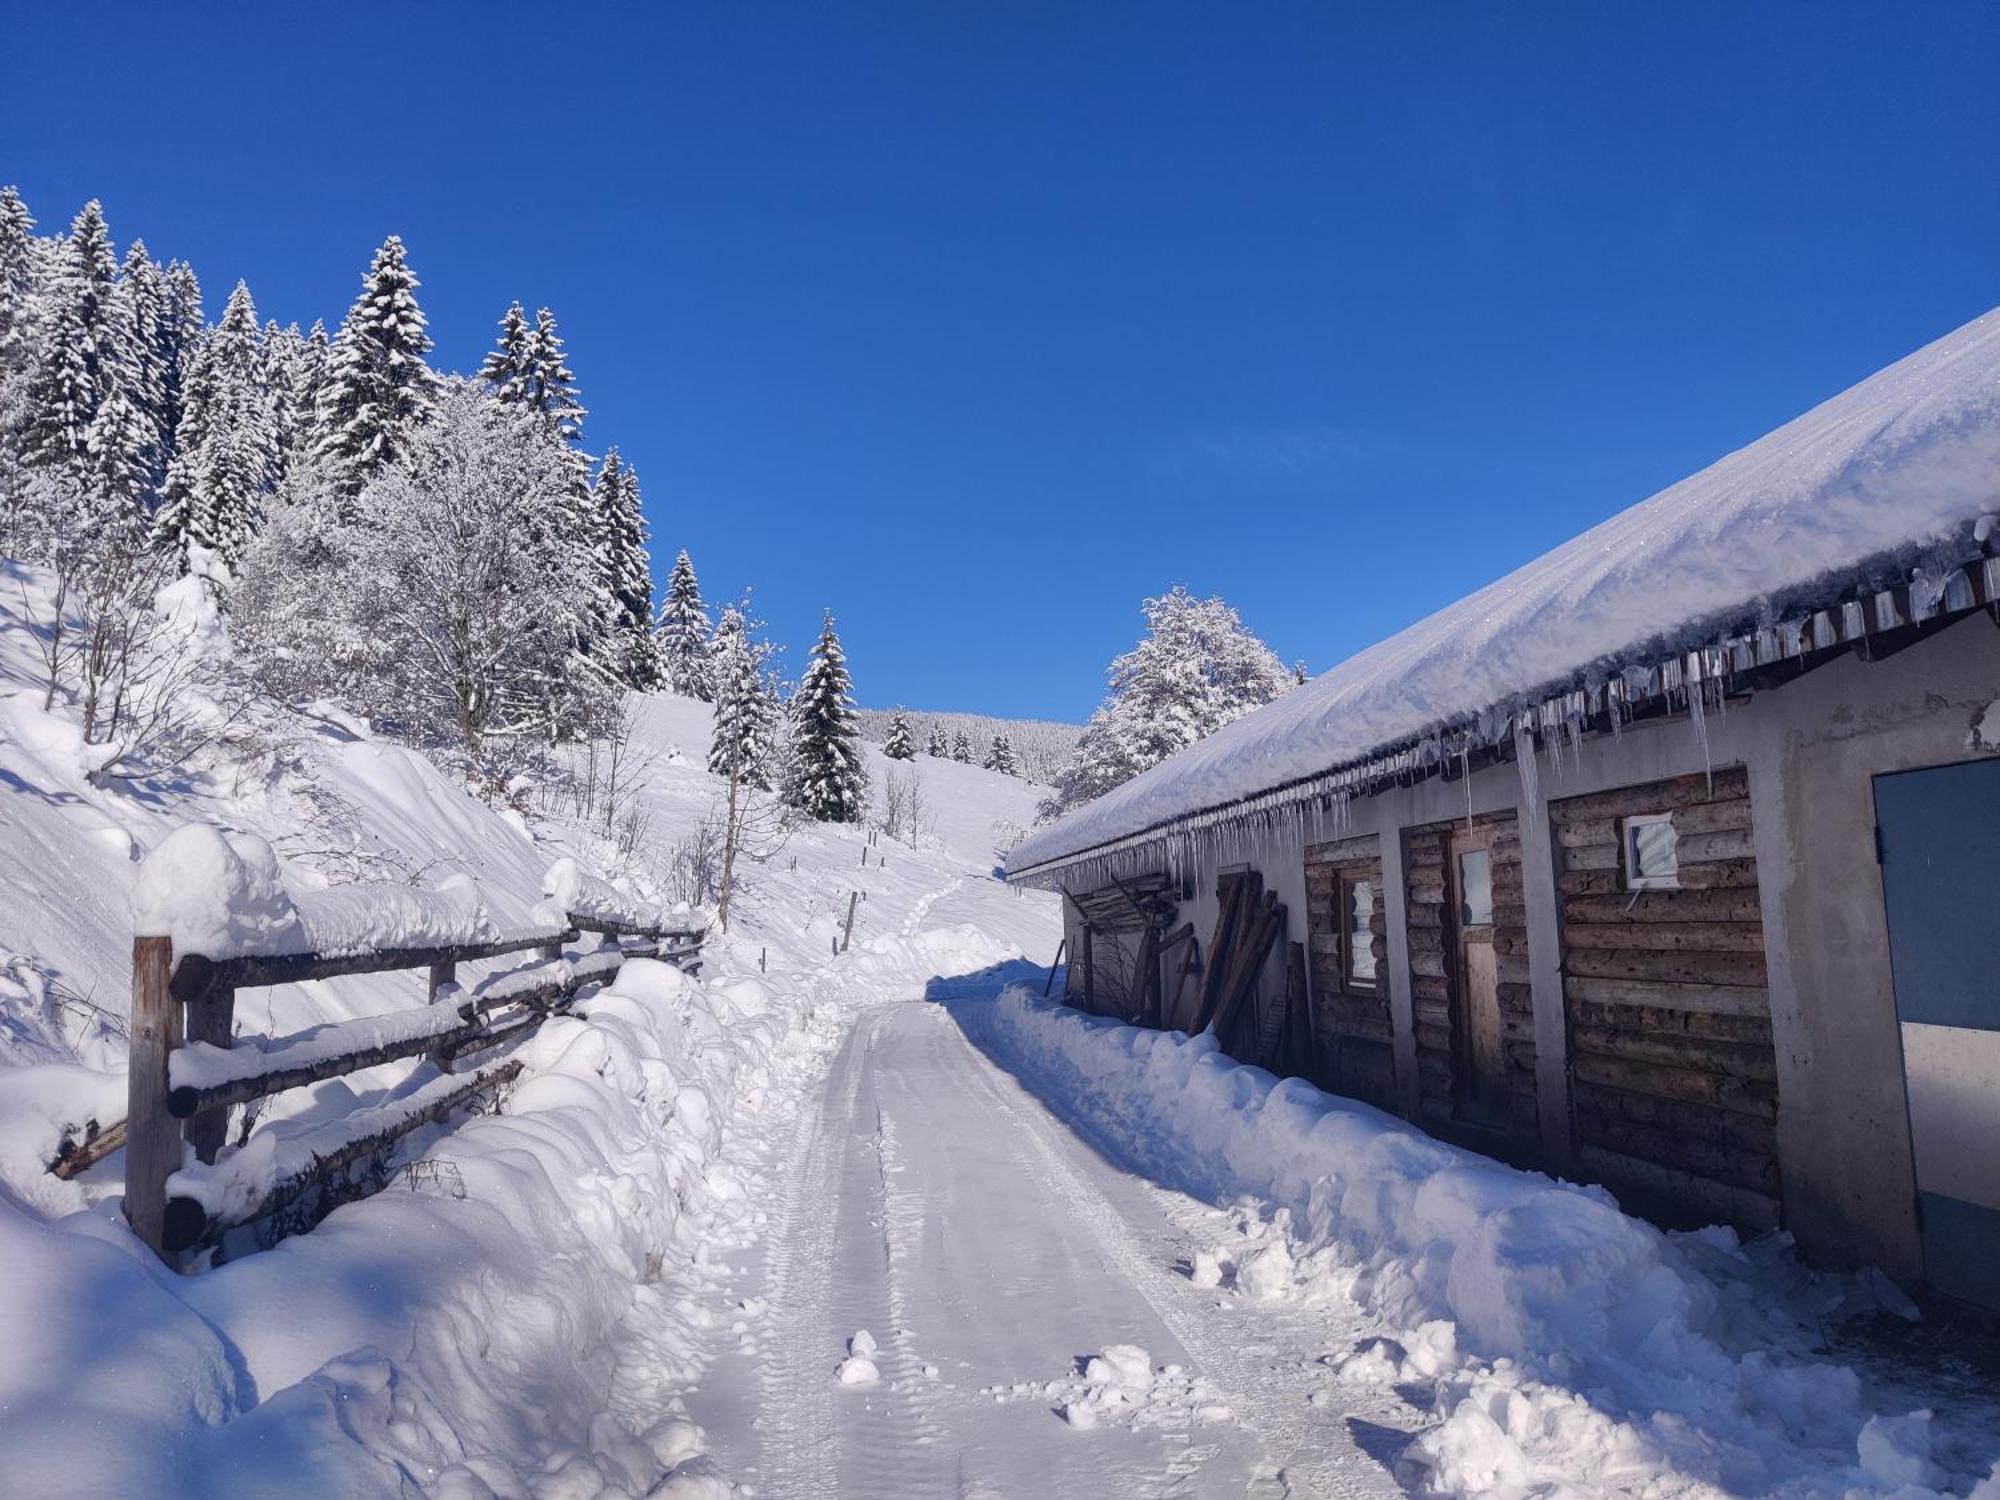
point(524, 1309)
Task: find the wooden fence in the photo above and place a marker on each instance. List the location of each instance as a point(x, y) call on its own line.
point(179, 1092)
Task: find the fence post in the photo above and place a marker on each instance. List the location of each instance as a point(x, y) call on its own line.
point(443, 972)
point(849, 933)
point(211, 1019)
point(152, 1136)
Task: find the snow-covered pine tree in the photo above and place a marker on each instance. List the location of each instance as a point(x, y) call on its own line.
point(308, 383)
point(506, 368)
point(227, 453)
point(1000, 755)
point(937, 744)
point(20, 350)
point(17, 283)
point(628, 576)
point(961, 748)
point(80, 344)
point(378, 387)
point(181, 331)
point(826, 780)
point(139, 304)
point(684, 635)
point(742, 744)
point(549, 387)
point(899, 743)
point(1197, 667)
point(286, 398)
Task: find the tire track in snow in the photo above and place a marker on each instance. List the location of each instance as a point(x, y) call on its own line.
point(1314, 1454)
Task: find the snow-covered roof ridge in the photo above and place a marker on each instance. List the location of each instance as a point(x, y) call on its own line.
point(1900, 465)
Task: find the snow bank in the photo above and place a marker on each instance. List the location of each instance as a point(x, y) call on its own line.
point(223, 896)
point(592, 898)
point(1901, 463)
point(1570, 1343)
point(469, 1331)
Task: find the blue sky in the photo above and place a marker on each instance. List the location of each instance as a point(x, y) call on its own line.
point(980, 323)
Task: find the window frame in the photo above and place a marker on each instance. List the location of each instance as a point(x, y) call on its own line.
point(1343, 904)
point(1628, 850)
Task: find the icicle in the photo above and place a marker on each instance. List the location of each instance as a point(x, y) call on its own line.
point(1465, 769)
point(1697, 696)
point(1524, 762)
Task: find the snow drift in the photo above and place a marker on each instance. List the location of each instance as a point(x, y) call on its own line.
point(1573, 1348)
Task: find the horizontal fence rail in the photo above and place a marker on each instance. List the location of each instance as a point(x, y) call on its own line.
point(188, 1070)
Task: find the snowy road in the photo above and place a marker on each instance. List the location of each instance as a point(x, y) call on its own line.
point(929, 1199)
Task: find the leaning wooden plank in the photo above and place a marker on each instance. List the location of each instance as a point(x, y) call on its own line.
point(204, 1201)
point(1247, 961)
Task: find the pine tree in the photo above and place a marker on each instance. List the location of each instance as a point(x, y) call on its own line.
point(1000, 756)
point(900, 744)
point(17, 283)
point(506, 368)
point(549, 387)
point(378, 388)
point(961, 748)
point(286, 397)
point(741, 747)
point(687, 655)
point(132, 450)
point(937, 744)
point(826, 780)
point(226, 452)
point(181, 331)
point(628, 576)
point(81, 342)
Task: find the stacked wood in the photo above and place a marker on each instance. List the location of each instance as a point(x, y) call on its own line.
point(1432, 924)
point(1675, 1095)
point(1352, 1031)
point(1248, 922)
point(1117, 946)
point(1127, 905)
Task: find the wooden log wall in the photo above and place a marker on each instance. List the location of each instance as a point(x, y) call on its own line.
point(1352, 1032)
point(1674, 1077)
point(1514, 1131)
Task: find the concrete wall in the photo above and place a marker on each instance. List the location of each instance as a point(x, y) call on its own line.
point(1810, 749)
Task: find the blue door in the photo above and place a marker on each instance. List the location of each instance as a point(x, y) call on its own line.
point(1938, 834)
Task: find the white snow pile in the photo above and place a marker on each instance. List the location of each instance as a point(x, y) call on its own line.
point(578, 893)
point(1573, 1349)
point(519, 1267)
point(859, 1368)
point(223, 896)
point(1119, 1387)
point(1899, 464)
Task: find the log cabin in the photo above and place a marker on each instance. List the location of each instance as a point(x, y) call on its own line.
point(1666, 862)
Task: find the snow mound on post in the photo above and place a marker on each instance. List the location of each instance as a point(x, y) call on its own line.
point(1901, 463)
point(222, 896)
point(1571, 1345)
point(215, 895)
point(592, 898)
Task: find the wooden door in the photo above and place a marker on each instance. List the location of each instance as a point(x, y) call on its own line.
point(1481, 1062)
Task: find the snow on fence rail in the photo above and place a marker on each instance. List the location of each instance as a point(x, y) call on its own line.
point(211, 916)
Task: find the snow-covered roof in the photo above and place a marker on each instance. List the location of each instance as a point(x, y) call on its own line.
point(1899, 468)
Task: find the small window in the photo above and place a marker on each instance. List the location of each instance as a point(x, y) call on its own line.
point(1358, 904)
point(1652, 853)
point(1475, 888)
